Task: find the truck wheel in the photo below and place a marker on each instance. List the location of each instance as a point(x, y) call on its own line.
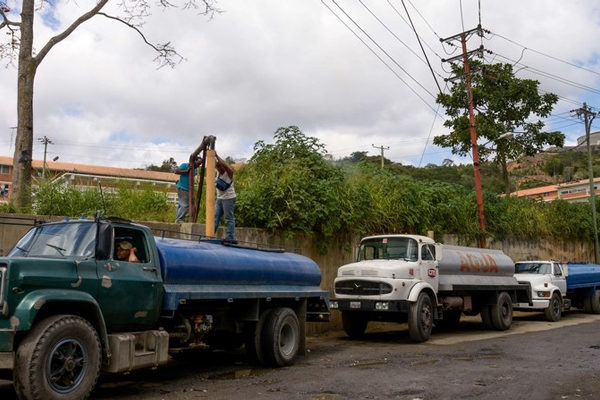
point(420, 318)
point(59, 359)
point(354, 324)
point(281, 337)
point(486, 317)
point(502, 312)
point(253, 339)
point(591, 304)
point(554, 310)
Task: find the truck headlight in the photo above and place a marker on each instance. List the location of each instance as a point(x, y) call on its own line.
point(543, 293)
point(333, 304)
point(382, 306)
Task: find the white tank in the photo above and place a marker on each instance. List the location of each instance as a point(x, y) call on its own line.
point(474, 266)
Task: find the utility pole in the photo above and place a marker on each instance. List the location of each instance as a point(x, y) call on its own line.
point(477, 174)
point(382, 148)
point(588, 117)
point(46, 141)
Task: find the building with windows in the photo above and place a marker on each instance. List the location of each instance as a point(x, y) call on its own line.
point(86, 176)
point(571, 191)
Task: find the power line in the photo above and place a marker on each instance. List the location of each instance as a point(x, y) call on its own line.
point(544, 54)
point(431, 128)
point(382, 148)
point(409, 25)
point(551, 76)
point(378, 57)
point(424, 19)
point(422, 49)
point(381, 48)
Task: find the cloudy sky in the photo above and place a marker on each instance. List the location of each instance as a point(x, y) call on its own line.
point(263, 64)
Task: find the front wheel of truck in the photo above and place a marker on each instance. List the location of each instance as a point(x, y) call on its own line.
point(420, 318)
point(554, 310)
point(59, 359)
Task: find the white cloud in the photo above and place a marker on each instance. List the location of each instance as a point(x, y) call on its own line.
point(268, 63)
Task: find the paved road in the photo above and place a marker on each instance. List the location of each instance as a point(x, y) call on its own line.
point(535, 359)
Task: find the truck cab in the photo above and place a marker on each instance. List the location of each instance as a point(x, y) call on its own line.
point(548, 281)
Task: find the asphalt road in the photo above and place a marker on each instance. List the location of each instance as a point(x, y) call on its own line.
point(535, 359)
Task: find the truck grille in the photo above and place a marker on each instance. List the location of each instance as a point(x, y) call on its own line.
point(364, 288)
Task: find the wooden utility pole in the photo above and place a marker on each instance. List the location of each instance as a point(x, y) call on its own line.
point(588, 117)
point(477, 174)
point(382, 148)
point(45, 141)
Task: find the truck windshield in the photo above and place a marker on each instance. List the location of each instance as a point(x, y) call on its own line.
point(388, 248)
point(57, 240)
point(533, 268)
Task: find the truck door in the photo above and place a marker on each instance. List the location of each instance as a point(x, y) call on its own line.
point(130, 292)
point(429, 267)
point(558, 278)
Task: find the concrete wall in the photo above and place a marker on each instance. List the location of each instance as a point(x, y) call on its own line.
point(340, 253)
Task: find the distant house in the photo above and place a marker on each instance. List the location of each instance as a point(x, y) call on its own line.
point(572, 192)
point(86, 176)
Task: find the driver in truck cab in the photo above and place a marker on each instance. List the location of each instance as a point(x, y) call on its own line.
point(126, 252)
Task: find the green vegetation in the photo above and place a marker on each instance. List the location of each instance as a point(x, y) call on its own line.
point(67, 200)
point(291, 186)
point(504, 104)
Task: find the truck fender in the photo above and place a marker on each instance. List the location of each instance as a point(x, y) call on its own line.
point(30, 306)
point(420, 287)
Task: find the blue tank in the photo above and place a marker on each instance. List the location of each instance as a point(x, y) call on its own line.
point(210, 262)
point(583, 275)
point(210, 270)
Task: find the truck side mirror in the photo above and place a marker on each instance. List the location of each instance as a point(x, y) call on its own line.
point(104, 240)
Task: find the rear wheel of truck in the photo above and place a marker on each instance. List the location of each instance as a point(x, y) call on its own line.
point(420, 318)
point(354, 324)
point(554, 310)
point(253, 339)
point(591, 304)
point(486, 317)
point(502, 312)
point(281, 337)
point(59, 359)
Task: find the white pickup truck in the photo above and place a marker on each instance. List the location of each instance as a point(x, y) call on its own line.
point(556, 286)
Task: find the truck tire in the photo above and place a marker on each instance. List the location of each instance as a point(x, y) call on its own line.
point(486, 317)
point(502, 312)
point(554, 310)
point(354, 324)
point(59, 359)
point(420, 318)
point(281, 337)
point(253, 339)
point(591, 304)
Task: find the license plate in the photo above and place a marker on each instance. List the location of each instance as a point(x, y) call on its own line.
point(355, 304)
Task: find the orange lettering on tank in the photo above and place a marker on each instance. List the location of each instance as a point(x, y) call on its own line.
point(485, 263)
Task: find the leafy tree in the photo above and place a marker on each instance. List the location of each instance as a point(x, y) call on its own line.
point(357, 156)
point(17, 28)
point(166, 166)
point(504, 104)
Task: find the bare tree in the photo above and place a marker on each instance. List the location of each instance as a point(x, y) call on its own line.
point(18, 29)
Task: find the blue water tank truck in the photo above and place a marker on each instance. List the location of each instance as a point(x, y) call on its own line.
point(558, 286)
point(69, 308)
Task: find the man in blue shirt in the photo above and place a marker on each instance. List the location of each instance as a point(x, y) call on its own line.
point(183, 188)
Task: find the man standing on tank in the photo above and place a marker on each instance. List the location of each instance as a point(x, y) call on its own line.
point(183, 188)
point(225, 198)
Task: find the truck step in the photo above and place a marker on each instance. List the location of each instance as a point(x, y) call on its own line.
point(136, 350)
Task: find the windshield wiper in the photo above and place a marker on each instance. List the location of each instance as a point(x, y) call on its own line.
point(22, 249)
point(59, 249)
